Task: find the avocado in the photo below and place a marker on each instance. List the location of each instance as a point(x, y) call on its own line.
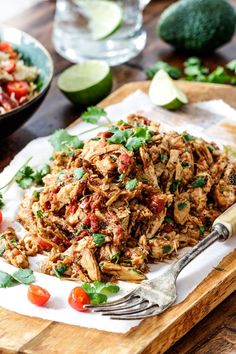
point(198, 26)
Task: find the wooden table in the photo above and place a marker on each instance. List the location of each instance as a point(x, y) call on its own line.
point(217, 332)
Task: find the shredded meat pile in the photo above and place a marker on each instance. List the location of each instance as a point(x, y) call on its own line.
point(107, 210)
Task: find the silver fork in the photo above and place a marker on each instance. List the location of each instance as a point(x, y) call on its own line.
point(154, 296)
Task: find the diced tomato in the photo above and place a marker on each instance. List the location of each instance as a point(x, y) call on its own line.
point(168, 228)
point(19, 88)
point(73, 208)
point(44, 245)
point(78, 298)
point(38, 295)
point(10, 67)
point(1, 217)
point(15, 252)
point(7, 48)
point(124, 162)
point(106, 135)
point(158, 203)
point(94, 224)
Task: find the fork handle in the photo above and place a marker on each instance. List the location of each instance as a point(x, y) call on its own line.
point(223, 228)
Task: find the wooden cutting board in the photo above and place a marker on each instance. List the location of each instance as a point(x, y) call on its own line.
point(154, 335)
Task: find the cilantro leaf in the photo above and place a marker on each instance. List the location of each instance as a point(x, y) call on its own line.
point(199, 182)
point(121, 177)
point(202, 230)
point(120, 136)
point(174, 72)
point(131, 184)
point(97, 298)
point(1, 201)
point(166, 249)
point(181, 205)
point(219, 76)
point(24, 177)
point(61, 138)
point(106, 288)
point(99, 239)
point(93, 115)
point(115, 258)
point(188, 137)
point(169, 220)
point(39, 214)
point(134, 143)
point(174, 185)
point(79, 173)
point(24, 276)
point(6, 280)
point(232, 65)
point(42, 171)
point(60, 270)
point(163, 157)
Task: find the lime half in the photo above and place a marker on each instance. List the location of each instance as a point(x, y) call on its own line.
point(86, 83)
point(105, 17)
point(164, 93)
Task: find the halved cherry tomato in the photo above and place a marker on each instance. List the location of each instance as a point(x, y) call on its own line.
point(0, 217)
point(10, 67)
point(78, 298)
point(19, 88)
point(7, 48)
point(37, 295)
point(15, 252)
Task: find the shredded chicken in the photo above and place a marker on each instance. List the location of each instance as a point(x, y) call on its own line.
point(133, 204)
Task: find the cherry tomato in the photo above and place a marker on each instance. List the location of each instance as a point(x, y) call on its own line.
point(78, 298)
point(37, 295)
point(7, 48)
point(11, 66)
point(0, 217)
point(44, 245)
point(15, 252)
point(19, 88)
point(124, 162)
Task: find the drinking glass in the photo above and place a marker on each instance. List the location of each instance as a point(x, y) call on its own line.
point(75, 32)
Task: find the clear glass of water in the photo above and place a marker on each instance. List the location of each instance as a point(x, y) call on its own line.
point(83, 29)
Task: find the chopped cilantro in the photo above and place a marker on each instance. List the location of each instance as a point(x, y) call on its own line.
point(115, 258)
point(24, 177)
point(166, 249)
point(98, 291)
point(169, 220)
point(163, 157)
point(201, 230)
point(174, 185)
point(39, 214)
point(60, 270)
point(79, 173)
point(121, 177)
point(120, 136)
point(188, 137)
point(93, 115)
point(174, 72)
point(99, 239)
point(219, 76)
point(61, 138)
point(134, 143)
point(37, 193)
point(24, 276)
point(185, 164)
point(199, 182)
point(211, 149)
point(131, 184)
point(181, 205)
point(6, 280)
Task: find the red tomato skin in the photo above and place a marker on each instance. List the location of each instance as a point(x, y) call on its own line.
point(11, 66)
point(158, 203)
point(1, 218)
point(78, 298)
point(38, 295)
point(19, 88)
point(44, 245)
point(7, 48)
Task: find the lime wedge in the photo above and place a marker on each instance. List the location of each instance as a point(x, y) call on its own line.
point(86, 83)
point(105, 17)
point(164, 93)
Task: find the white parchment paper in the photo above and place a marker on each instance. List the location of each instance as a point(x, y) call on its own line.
point(57, 309)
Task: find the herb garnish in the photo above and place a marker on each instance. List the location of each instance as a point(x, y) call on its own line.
point(79, 173)
point(169, 220)
point(39, 214)
point(166, 249)
point(23, 276)
point(199, 182)
point(163, 157)
point(188, 137)
point(181, 205)
point(94, 114)
point(202, 230)
point(131, 185)
point(115, 257)
point(99, 239)
point(174, 72)
point(174, 185)
point(99, 291)
point(1, 201)
point(61, 139)
point(60, 270)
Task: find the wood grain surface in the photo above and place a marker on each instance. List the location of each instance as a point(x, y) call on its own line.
point(216, 333)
